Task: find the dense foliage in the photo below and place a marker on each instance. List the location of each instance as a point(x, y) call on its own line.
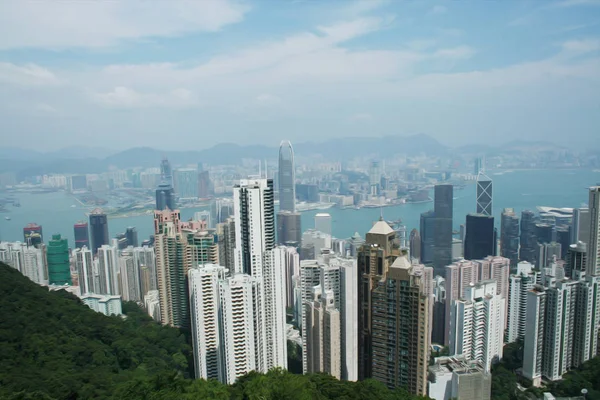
point(52, 344)
point(53, 347)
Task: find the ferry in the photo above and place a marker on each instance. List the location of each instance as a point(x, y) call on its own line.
point(7, 218)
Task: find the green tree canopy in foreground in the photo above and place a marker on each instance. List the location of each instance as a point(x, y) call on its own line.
point(54, 347)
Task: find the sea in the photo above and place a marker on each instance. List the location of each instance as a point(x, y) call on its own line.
point(519, 189)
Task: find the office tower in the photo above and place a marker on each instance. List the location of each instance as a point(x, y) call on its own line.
point(98, 229)
point(222, 209)
point(287, 259)
point(478, 165)
point(166, 174)
point(509, 236)
point(120, 241)
point(59, 271)
point(84, 262)
point(442, 248)
point(206, 321)
point(108, 268)
point(528, 250)
point(479, 240)
point(580, 229)
point(427, 225)
point(576, 260)
point(544, 233)
point(519, 285)
point(548, 253)
point(415, 245)
point(457, 378)
point(185, 183)
point(313, 243)
point(459, 275)
point(354, 244)
point(323, 223)
point(204, 184)
point(375, 177)
point(171, 268)
point(289, 231)
point(129, 276)
point(204, 217)
point(484, 194)
point(132, 236)
point(477, 324)
point(593, 253)
point(400, 339)
point(438, 326)
point(255, 240)
point(165, 197)
point(563, 237)
point(226, 235)
point(82, 237)
point(287, 178)
point(32, 234)
point(374, 257)
point(77, 182)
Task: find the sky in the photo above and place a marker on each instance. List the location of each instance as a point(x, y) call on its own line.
point(184, 75)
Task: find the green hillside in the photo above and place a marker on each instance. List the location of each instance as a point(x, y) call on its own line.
point(54, 347)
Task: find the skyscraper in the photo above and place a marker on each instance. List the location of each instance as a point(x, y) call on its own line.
point(593, 253)
point(132, 236)
point(84, 262)
point(477, 324)
point(375, 177)
point(129, 276)
point(185, 183)
point(98, 229)
point(528, 250)
point(509, 236)
point(480, 239)
point(289, 230)
point(580, 230)
point(484, 194)
point(59, 272)
point(427, 230)
point(374, 257)
point(108, 268)
point(287, 177)
point(82, 237)
point(443, 206)
point(165, 197)
point(519, 284)
point(255, 240)
point(166, 174)
point(323, 223)
point(415, 245)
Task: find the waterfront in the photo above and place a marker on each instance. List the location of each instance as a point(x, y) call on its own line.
point(520, 190)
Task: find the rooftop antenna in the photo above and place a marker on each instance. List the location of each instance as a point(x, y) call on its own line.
point(266, 170)
point(381, 212)
point(259, 169)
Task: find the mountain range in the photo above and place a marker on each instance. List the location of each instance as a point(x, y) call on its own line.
point(95, 160)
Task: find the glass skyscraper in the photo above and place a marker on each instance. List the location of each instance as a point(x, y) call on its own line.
point(287, 177)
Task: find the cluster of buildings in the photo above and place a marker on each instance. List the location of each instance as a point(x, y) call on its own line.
point(245, 280)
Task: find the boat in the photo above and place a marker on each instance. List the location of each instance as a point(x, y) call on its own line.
point(73, 206)
point(7, 218)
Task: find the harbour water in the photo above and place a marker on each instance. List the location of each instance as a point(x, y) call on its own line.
point(520, 190)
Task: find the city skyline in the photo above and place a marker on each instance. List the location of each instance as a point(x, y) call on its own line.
point(256, 68)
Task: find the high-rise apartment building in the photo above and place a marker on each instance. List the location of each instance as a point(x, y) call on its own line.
point(145, 260)
point(480, 239)
point(509, 236)
point(528, 249)
point(171, 268)
point(226, 237)
point(289, 230)
point(255, 240)
point(576, 260)
point(288, 260)
point(201, 248)
point(59, 271)
point(477, 324)
point(459, 275)
point(287, 178)
point(443, 207)
point(82, 237)
point(84, 262)
point(519, 285)
point(427, 230)
point(457, 378)
point(31, 261)
point(108, 269)
point(132, 236)
point(129, 276)
point(484, 194)
point(98, 229)
point(593, 247)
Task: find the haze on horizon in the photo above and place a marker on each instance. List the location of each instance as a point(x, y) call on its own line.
point(192, 74)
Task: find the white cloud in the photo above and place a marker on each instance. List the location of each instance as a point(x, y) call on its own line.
point(88, 24)
point(26, 75)
point(439, 9)
point(124, 97)
point(583, 46)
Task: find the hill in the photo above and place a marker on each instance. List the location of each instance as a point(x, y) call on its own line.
point(53, 347)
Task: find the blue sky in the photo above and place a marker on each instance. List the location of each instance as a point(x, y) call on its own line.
point(190, 74)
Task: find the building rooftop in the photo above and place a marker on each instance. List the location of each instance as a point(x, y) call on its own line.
point(381, 228)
